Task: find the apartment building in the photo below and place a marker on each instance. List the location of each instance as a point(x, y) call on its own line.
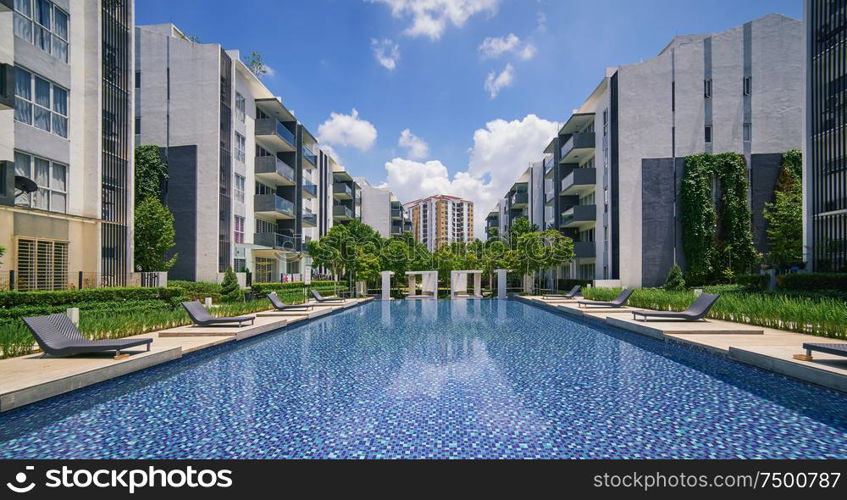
point(382, 210)
point(244, 172)
point(347, 197)
point(525, 199)
point(440, 220)
point(66, 107)
point(612, 174)
point(825, 176)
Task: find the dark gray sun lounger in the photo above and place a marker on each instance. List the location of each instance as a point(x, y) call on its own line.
point(201, 317)
point(836, 349)
point(320, 298)
point(619, 301)
point(570, 295)
point(279, 306)
point(696, 311)
point(58, 336)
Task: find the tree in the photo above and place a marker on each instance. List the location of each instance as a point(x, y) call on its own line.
point(2, 251)
point(230, 290)
point(520, 227)
point(154, 236)
point(785, 217)
point(151, 173)
point(257, 65)
point(675, 281)
point(340, 250)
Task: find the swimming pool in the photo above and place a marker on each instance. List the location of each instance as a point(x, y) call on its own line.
point(439, 379)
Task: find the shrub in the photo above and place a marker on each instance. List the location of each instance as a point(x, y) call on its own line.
point(813, 281)
point(230, 289)
point(100, 295)
point(675, 279)
point(198, 290)
point(753, 282)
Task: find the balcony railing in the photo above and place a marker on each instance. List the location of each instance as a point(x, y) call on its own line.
point(585, 249)
point(578, 180)
point(396, 213)
point(342, 212)
point(273, 167)
point(274, 204)
point(271, 127)
point(580, 215)
point(310, 156)
point(578, 141)
point(310, 219)
point(274, 240)
point(519, 199)
point(310, 188)
point(341, 190)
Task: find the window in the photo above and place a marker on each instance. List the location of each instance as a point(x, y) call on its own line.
point(138, 125)
point(707, 88)
point(40, 103)
point(138, 79)
point(239, 229)
point(42, 265)
point(240, 265)
point(748, 85)
point(240, 147)
point(239, 187)
point(240, 108)
point(708, 133)
point(44, 25)
point(748, 132)
point(52, 180)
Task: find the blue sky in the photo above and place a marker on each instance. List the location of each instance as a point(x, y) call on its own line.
point(323, 57)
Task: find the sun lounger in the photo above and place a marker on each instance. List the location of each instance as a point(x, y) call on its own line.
point(570, 295)
point(201, 317)
point(836, 349)
point(320, 298)
point(696, 311)
point(58, 336)
point(279, 306)
point(619, 301)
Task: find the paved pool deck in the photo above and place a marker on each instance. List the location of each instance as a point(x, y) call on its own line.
point(765, 348)
point(31, 378)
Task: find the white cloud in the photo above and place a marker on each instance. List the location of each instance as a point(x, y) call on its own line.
point(430, 17)
point(501, 152)
point(386, 52)
point(347, 130)
point(493, 47)
point(497, 82)
point(269, 72)
point(417, 148)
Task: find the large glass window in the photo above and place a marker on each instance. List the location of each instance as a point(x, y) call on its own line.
point(239, 229)
point(52, 180)
point(41, 103)
point(240, 107)
point(240, 147)
point(239, 187)
point(44, 25)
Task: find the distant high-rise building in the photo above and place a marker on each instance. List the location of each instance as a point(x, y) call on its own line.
point(66, 100)
point(440, 220)
point(825, 165)
point(381, 210)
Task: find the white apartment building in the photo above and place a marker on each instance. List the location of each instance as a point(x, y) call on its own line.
point(382, 210)
point(66, 102)
point(440, 220)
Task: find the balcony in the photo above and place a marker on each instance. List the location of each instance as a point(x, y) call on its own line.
point(396, 213)
point(274, 240)
point(342, 191)
point(585, 249)
point(579, 144)
point(272, 132)
point(342, 213)
point(272, 169)
point(579, 181)
point(310, 157)
point(310, 189)
point(579, 216)
point(271, 205)
point(520, 200)
point(310, 219)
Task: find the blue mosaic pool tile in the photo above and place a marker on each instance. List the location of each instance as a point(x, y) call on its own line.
point(427, 379)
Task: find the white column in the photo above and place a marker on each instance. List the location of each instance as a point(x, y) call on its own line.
point(386, 284)
point(412, 285)
point(477, 284)
point(501, 283)
point(452, 285)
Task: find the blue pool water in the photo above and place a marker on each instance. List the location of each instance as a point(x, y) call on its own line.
point(468, 379)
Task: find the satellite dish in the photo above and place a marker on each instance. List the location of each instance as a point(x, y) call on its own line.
point(25, 185)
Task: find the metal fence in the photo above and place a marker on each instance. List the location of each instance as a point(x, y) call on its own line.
point(77, 280)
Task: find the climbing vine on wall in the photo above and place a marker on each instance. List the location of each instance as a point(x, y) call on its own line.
point(717, 240)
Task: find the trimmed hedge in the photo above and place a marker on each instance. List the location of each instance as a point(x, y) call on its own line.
point(757, 282)
point(65, 297)
point(813, 281)
point(114, 307)
point(198, 290)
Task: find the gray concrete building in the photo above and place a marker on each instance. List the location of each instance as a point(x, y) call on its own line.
point(66, 107)
point(245, 174)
